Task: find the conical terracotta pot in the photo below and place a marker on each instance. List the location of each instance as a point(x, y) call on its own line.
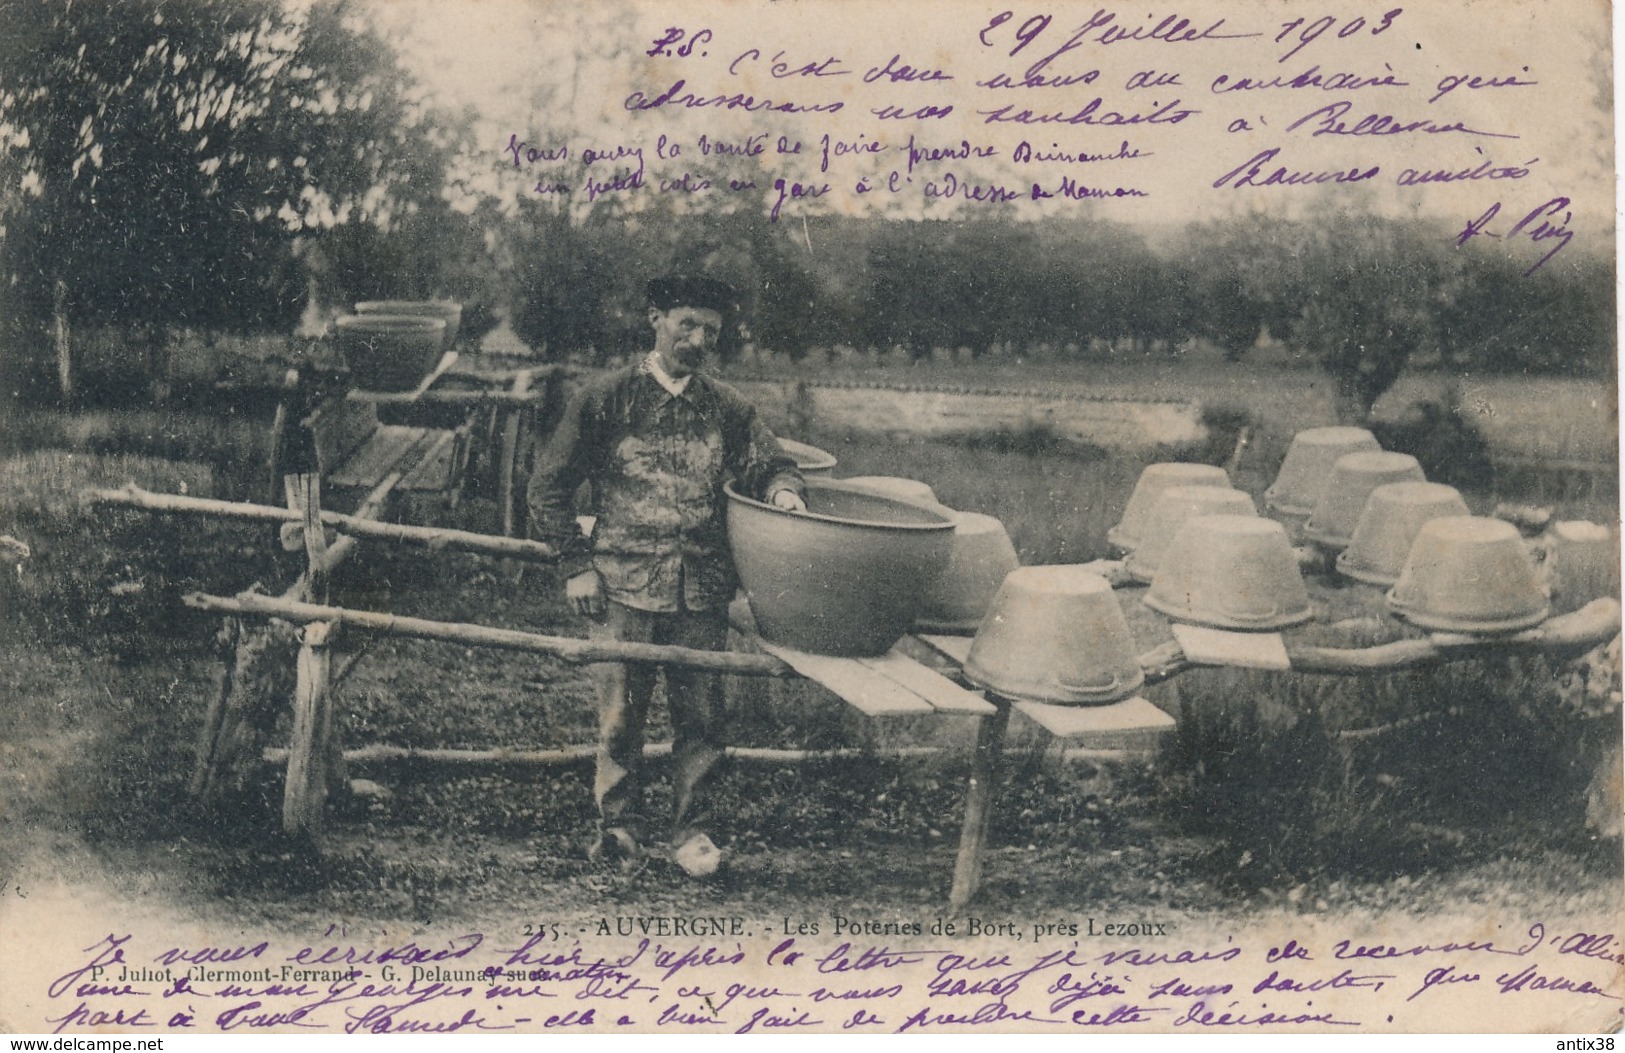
point(448, 311)
point(809, 459)
point(1231, 572)
point(845, 577)
point(1582, 564)
point(1172, 509)
point(983, 556)
point(1055, 634)
point(1129, 532)
point(1470, 574)
point(1353, 477)
point(389, 352)
point(1308, 465)
point(1393, 516)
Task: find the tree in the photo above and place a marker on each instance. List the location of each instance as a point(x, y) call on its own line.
point(167, 153)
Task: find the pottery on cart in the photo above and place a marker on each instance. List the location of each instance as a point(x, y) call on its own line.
point(1394, 514)
point(1470, 574)
point(448, 311)
point(1055, 634)
point(810, 460)
point(1231, 572)
point(983, 556)
point(389, 352)
point(1299, 484)
point(1582, 564)
point(845, 577)
point(1156, 478)
point(1172, 509)
point(1331, 525)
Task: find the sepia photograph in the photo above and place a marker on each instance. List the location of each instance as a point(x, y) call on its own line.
point(803, 516)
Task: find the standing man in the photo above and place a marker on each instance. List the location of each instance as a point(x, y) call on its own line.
point(658, 441)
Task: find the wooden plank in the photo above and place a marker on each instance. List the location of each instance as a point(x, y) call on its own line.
point(1131, 723)
point(305, 791)
point(340, 428)
point(387, 447)
point(863, 688)
point(943, 694)
point(1204, 646)
point(954, 647)
point(436, 469)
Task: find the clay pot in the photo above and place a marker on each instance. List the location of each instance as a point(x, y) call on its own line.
point(389, 352)
point(982, 557)
point(1353, 477)
point(1469, 574)
point(1393, 516)
point(1055, 634)
point(1582, 564)
point(1172, 509)
point(447, 311)
point(1231, 572)
point(811, 461)
point(1308, 464)
point(847, 576)
point(1130, 530)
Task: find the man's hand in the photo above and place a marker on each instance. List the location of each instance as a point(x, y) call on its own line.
point(789, 500)
point(585, 592)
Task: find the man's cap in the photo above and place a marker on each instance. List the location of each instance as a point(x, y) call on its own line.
point(684, 291)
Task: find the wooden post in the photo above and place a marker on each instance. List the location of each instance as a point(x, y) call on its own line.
point(508, 465)
point(61, 337)
point(309, 766)
point(979, 799)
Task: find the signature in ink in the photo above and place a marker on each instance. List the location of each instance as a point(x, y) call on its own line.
point(1539, 225)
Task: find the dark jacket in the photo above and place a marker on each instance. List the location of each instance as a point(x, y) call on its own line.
point(657, 463)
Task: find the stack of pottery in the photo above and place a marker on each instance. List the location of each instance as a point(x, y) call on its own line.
point(1172, 509)
point(1156, 478)
point(1354, 476)
point(1055, 635)
point(1304, 473)
point(1394, 514)
point(1469, 574)
point(845, 577)
point(1231, 572)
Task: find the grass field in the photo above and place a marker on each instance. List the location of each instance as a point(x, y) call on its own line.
point(1271, 793)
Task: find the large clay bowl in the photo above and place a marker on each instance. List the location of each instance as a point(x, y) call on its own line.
point(910, 490)
point(448, 311)
point(1055, 634)
point(1353, 477)
point(982, 556)
point(1470, 574)
point(389, 352)
point(1582, 562)
point(1308, 465)
point(1231, 572)
point(845, 577)
point(1172, 509)
point(810, 460)
point(1129, 532)
point(1394, 514)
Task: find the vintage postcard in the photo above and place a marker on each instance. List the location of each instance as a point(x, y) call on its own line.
point(809, 517)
